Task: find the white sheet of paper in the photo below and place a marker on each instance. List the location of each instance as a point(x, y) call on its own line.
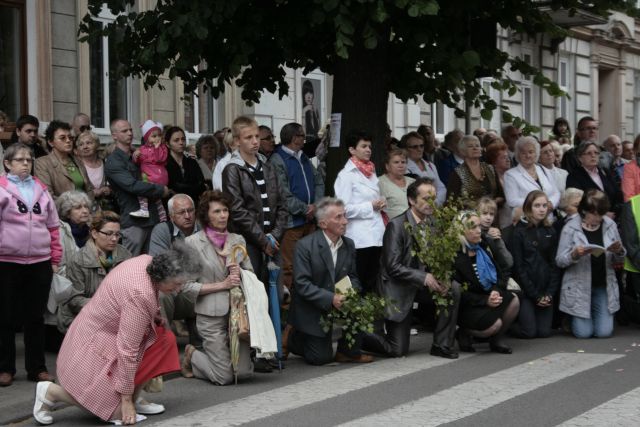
point(139, 417)
point(335, 125)
point(343, 285)
point(596, 250)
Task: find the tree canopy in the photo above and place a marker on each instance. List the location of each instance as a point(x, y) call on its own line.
point(434, 49)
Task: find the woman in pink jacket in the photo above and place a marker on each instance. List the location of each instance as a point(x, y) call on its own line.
point(29, 253)
point(118, 342)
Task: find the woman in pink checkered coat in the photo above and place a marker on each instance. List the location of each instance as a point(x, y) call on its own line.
point(117, 343)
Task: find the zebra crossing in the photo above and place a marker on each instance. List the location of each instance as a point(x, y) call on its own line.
point(451, 404)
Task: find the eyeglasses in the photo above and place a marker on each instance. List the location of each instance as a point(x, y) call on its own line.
point(22, 160)
point(183, 212)
point(111, 234)
point(589, 128)
point(413, 147)
point(268, 138)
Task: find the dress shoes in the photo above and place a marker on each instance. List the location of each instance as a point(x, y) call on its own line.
point(447, 353)
point(6, 379)
point(360, 358)
point(465, 341)
point(147, 408)
point(185, 367)
point(41, 376)
point(262, 366)
point(41, 415)
point(500, 348)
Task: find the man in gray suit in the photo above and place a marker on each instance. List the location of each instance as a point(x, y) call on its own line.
point(321, 259)
point(403, 275)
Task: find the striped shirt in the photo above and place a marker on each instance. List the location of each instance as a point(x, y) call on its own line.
point(258, 176)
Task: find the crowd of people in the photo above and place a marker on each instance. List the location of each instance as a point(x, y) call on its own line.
point(110, 249)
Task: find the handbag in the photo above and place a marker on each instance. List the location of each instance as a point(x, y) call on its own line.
point(61, 288)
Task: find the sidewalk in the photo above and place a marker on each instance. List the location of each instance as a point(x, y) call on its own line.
point(16, 401)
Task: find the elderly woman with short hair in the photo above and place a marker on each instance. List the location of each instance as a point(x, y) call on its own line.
point(117, 343)
point(86, 150)
point(88, 267)
point(528, 176)
point(474, 178)
point(74, 209)
point(221, 272)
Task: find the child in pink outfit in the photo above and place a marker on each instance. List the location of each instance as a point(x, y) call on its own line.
point(152, 159)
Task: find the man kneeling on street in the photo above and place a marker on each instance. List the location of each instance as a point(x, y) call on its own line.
point(321, 259)
point(402, 276)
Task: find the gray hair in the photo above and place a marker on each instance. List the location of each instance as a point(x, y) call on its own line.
point(522, 141)
point(71, 200)
point(178, 196)
point(324, 204)
point(180, 262)
point(583, 146)
point(462, 144)
point(569, 195)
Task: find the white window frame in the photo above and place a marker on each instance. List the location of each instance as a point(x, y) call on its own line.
point(526, 87)
point(212, 115)
point(564, 105)
point(447, 119)
point(496, 119)
point(105, 17)
point(636, 101)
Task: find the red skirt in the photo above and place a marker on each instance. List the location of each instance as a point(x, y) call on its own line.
point(159, 359)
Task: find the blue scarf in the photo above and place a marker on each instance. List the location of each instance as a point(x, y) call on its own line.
point(486, 269)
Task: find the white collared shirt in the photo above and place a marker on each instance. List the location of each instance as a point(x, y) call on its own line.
point(333, 247)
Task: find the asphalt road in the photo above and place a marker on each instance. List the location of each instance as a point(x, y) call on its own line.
point(554, 381)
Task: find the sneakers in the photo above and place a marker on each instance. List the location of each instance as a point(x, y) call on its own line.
point(185, 367)
point(147, 408)
point(140, 213)
point(42, 416)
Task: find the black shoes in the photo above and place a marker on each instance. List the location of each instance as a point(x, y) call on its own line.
point(500, 348)
point(465, 341)
point(447, 353)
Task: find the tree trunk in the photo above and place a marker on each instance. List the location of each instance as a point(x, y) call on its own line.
point(360, 94)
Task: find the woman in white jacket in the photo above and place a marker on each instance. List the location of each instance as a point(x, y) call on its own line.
point(357, 186)
point(528, 176)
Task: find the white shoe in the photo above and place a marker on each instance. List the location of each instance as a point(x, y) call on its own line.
point(42, 416)
point(140, 213)
point(148, 408)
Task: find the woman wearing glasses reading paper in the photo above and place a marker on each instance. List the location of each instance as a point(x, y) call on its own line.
point(589, 287)
point(88, 268)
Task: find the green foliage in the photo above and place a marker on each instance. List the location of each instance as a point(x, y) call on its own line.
point(356, 315)
point(428, 48)
point(436, 243)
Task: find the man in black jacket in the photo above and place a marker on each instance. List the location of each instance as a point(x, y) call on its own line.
point(403, 275)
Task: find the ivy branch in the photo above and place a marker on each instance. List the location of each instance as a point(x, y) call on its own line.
point(436, 243)
point(356, 315)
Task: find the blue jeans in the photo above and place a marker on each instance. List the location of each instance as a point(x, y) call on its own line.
point(600, 325)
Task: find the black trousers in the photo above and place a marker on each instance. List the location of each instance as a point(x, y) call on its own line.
point(23, 300)
point(367, 267)
point(319, 350)
point(395, 343)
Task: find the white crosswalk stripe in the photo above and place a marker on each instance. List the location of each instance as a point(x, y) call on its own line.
point(623, 411)
point(441, 407)
point(306, 392)
point(477, 395)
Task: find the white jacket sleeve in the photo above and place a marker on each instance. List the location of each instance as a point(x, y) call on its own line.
point(343, 188)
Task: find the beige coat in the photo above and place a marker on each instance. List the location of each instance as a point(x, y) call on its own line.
point(86, 273)
point(52, 172)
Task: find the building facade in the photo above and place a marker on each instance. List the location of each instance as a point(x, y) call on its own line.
point(47, 72)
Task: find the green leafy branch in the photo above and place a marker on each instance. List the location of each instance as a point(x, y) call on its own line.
point(356, 315)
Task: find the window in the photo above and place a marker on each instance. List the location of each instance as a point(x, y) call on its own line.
point(13, 86)
point(527, 92)
point(110, 98)
point(565, 105)
point(200, 112)
point(495, 121)
point(636, 101)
